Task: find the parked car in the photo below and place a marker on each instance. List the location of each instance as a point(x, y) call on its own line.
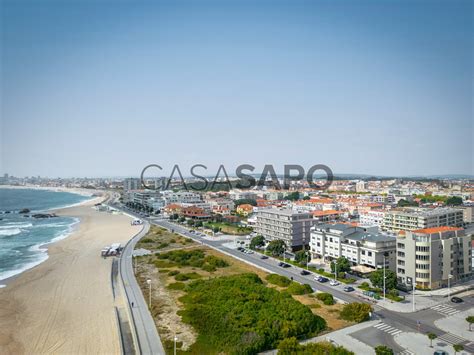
point(280, 263)
point(440, 352)
point(240, 249)
point(284, 265)
point(304, 272)
point(348, 289)
point(456, 300)
point(334, 282)
point(263, 257)
point(322, 279)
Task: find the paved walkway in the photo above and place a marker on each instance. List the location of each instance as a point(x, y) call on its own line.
point(417, 343)
point(342, 337)
point(406, 306)
point(456, 324)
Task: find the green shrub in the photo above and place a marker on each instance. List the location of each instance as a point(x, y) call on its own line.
point(163, 264)
point(177, 286)
point(215, 261)
point(356, 312)
point(326, 298)
point(238, 314)
point(172, 241)
point(291, 346)
point(209, 268)
point(278, 280)
point(147, 240)
point(296, 288)
point(364, 285)
point(163, 271)
point(187, 276)
point(173, 272)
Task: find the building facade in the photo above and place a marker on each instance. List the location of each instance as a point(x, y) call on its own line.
point(429, 256)
point(356, 244)
point(410, 219)
point(285, 224)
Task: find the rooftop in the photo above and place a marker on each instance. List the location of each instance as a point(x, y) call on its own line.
point(437, 230)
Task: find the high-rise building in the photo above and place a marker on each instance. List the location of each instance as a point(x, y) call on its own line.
point(131, 184)
point(285, 224)
point(419, 218)
point(429, 256)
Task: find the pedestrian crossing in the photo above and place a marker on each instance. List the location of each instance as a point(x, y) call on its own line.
point(451, 338)
point(445, 309)
point(387, 329)
point(406, 352)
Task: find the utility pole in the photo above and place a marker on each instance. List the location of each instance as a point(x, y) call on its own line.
point(149, 297)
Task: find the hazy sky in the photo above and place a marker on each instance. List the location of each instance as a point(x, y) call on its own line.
point(103, 88)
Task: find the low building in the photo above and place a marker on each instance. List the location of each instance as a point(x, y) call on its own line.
point(372, 218)
point(326, 216)
point(244, 209)
point(285, 224)
point(429, 256)
point(356, 244)
point(195, 213)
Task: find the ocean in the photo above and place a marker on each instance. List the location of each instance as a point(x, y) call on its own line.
point(23, 238)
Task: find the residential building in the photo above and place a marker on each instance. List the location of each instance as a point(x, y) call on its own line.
point(429, 256)
point(181, 197)
point(131, 184)
point(244, 209)
point(326, 216)
point(195, 212)
point(356, 244)
point(420, 218)
point(372, 218)
point(285, 224)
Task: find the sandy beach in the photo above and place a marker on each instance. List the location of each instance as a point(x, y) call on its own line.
point(66, 305)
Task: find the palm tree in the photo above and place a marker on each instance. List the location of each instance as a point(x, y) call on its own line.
point(431, 336)
point(470, 320)
point(457, 347)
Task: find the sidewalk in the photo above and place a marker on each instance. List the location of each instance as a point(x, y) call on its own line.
point(457, 324)
point(420, 344)
point(406, 306)
point(342, 337)
point(452, 291)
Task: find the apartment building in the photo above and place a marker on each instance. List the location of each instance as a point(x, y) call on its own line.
point(411, 219)
point(180, 197)
point(429, 256)
point(356, 244)
point(131, 184)
point(372, 218)
point(290, 226)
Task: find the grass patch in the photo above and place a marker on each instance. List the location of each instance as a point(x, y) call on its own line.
point(278, 280)
point(187, 276)
point(296, 288)
point(177, 286)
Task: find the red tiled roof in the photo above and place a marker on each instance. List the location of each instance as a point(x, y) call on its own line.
point(437, 230)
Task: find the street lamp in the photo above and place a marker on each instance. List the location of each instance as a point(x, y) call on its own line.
point(384, 277)
point(449, 285)
point(175, 339)
point(149, 298)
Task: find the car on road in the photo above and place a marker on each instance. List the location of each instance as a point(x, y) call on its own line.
point(440, 352)
point(282, 264)
point(321, 279)
point(263, 257)
point(334, 283)
point(456, 300)
point(240, 249)
point(348, 289)
point(304, 272)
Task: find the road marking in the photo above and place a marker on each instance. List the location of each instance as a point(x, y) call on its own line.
point(451, 338)
point(395, 332)
point(445, 309)
point(387, 329)
point(406, 352)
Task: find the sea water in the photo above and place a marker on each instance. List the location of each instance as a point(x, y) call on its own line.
point(23, 238)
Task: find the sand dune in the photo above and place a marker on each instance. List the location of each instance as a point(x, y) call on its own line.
point(66, 305)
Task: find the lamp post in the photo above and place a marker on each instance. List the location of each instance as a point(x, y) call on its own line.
point(175, 339)
point(149, 296)
point(384, 277)
point(414, 285)
point(449, 285)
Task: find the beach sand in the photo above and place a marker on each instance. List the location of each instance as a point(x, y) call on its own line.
point(66, 304)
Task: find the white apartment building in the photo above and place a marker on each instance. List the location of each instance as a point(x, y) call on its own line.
point(240, 195)
point(285, 224)
point(429, 256)
point(371, 218)
point(356, 244)
point(420, 218)
point(180, 197)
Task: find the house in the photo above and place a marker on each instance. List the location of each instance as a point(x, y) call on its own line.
point(244, 209)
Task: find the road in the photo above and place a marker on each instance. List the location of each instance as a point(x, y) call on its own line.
point(147, 337)
point(393, 321)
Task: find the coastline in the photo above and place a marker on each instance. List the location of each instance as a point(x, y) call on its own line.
point(43, 248)
point(65, 304)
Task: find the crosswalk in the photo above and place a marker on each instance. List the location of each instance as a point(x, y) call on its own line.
point(451, 338)
point(406, 352)
point(387, 329)
point(445, 309)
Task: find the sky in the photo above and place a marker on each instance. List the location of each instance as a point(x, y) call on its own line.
point(103, 88)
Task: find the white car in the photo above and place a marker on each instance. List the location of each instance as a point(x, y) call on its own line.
point(334, 283)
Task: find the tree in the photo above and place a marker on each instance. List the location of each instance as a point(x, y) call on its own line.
point(454, 201)
point(356, 312)
point(431, 336)
point(301, 257)
point(306, 198)
point(294, 196)
point(470, 320)
point(383, 350)
point(276, 247)
point(198, 224)
point(343, 265)
point(405, 203)
point(376, 278)
point(257, 242)
point(457, 347)
point(190, 222)
point(245, 201)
